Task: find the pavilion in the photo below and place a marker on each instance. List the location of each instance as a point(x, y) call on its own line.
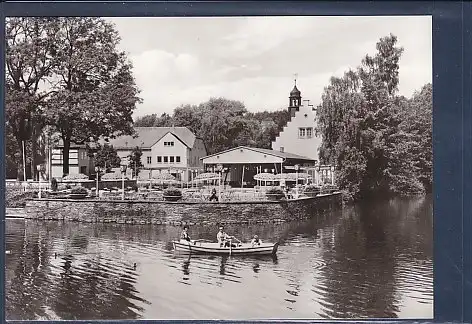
point(242, 163)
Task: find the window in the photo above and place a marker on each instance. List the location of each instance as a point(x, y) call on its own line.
point(159, 159)
point(282, 149)
point(305, 132)
point(301, 133)
point(168, 143)
point(177, 159)
point(149, 160)
point(171, 159)
point(309, 132)
point(166, 159)
point(83, 169)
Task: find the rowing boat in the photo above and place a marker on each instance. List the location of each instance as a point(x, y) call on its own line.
point(215, 248)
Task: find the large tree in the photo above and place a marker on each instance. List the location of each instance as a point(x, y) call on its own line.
point(95, 94)
point(29, 60)
point(379, 141)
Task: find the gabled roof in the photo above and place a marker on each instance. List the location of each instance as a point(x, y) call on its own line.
point(284, 155)
point(148, 136)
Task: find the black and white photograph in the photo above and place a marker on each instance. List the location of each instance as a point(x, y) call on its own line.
point(229, 168)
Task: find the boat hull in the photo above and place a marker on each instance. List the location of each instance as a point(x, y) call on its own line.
point(214, 248)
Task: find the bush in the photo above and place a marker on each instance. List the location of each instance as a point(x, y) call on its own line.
point(112, 176)
point(275, 193)
point(72, 177)
point(312, 188)
point(174, 192)
point(54, 184)
point(79, 190)
point(16, 198)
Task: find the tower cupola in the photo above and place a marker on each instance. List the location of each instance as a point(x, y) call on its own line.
point(295, 99)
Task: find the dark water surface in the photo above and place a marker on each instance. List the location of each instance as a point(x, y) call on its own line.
point(365, 261)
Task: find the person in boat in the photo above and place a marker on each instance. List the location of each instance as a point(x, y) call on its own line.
point(184, 235)
point(223, 238)
point(255, 241)
point(213, 195)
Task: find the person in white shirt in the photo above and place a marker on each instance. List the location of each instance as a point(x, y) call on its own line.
point(223, 238)
point(256, 241)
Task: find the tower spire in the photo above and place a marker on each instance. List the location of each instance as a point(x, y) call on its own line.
point(295, 75)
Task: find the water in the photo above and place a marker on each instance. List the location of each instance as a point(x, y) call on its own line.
point(362, 262)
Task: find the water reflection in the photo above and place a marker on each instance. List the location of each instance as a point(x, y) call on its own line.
point(367, 261)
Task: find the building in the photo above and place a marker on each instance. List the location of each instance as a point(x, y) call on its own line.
point(175, 150)
point(299, 135)
point(79, 160)
point(243, 163)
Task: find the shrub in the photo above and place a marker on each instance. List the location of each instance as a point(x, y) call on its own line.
point(16, 198)
point(172, 192)
point(274, 191)
point(72, 177)
point(79, 190)
point(112, 176)
point(312, 188)
point(54, 184)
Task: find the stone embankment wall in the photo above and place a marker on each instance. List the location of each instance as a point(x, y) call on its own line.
point(177, 213)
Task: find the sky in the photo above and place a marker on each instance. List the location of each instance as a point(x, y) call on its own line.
point(254, 59)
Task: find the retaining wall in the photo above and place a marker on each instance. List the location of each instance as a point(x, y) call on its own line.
point(177, 213)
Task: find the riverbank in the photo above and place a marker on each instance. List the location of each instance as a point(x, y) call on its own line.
point(178, 213)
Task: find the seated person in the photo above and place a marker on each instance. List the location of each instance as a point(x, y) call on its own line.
point(256, 241)
point(184, 235)
point(223, 238)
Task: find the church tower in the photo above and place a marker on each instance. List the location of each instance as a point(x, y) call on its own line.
point(295, 100)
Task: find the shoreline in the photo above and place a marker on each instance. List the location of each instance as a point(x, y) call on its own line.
point(180, 212)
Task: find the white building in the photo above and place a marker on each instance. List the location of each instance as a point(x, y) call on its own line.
point(298, 136)
point(175, 150)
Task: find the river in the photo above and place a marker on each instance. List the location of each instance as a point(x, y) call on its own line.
point(365, 261)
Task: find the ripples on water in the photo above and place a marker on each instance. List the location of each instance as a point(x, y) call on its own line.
point(366, 261)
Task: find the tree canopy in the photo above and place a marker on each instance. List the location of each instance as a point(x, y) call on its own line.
point(106, 157)
point(223, 123)
point(68, 73)
point(380, 142)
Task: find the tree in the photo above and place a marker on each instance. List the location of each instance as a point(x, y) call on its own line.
point(373, 135)
point(146, 121)
point(96, 93)
point(135, 163)
point(221, 123)
point(106, 157)
point(190, 116)
point(29, 60)
point(417, 120)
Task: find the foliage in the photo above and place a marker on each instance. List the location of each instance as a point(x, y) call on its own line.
point(107, 157)
point(135, 163)
point(72, 177)
point(54, 184)
point(312, 188)
point(17, 197)
point(174, 192)
point(112, 176)
point(274, 191)
point(223, 123)
point(78, 190)
point(30, 45)
point(378, 140)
